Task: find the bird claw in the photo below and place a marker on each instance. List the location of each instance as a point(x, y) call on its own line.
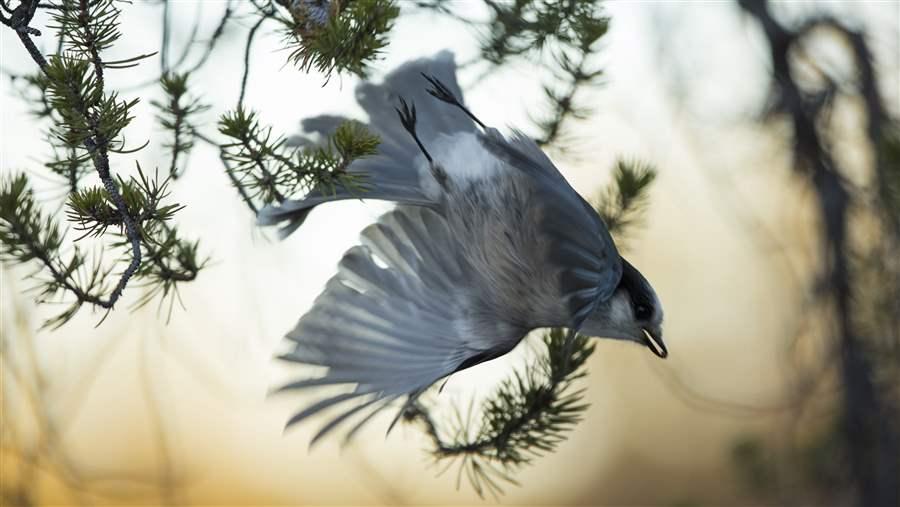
point(440, 90)
point(407, 113)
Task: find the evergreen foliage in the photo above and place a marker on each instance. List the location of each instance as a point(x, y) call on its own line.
point(622, 203)
point(528, 415)
point(86, 124)
point(268, 170)
point(176, 115)
point(338, 36)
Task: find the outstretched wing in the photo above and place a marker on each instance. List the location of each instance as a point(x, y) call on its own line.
point(582, 249)
point(391, 322)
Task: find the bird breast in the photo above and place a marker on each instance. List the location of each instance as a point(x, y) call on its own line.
point(495, 215)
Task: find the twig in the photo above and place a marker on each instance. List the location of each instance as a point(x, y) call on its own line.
point(211, 44)
point(249, 43)
point(101, 161)
point(207, 52)
point(164, 45)
point(96, 144)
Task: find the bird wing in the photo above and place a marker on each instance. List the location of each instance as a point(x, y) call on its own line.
point(391, 322)
point(391, 173)
point(582, 249)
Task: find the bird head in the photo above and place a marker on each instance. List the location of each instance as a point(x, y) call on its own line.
point(633, 313)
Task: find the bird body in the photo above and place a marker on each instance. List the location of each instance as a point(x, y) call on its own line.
point(488, 242)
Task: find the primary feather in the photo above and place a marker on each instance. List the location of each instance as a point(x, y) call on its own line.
point(394, 329)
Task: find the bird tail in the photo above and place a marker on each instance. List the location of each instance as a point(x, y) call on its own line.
point(392, 173)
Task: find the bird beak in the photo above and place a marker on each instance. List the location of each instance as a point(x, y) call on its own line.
point(653, 340)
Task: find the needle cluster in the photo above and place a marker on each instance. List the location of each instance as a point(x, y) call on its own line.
point(268, 169)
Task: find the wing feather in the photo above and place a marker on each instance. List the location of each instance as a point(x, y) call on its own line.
point(389, 323)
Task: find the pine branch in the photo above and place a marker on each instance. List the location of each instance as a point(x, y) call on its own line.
point(93, 212)
point(90, 117)
point(170, 261)
point(623, 202)
point(214, 39)
point(252, 153)
point(210, 45)
point(40, 104)
point(268, 170)
point(529, 415)
point(87, 124)
point(176, 115)
point(337, 35)
point(68, 161)
point(587, 26)
point(71, 165)
point(26, 235)
point(250, 36)
point(577, 76)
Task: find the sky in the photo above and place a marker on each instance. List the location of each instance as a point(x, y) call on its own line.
point(726, 244)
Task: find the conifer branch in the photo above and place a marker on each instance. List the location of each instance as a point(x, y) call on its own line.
point(246, 75)
point(267, 170)
point(622, 203)
point(91, 29)
point(337, 35)
point(26, 234)
point(214, 39)
point(87, 123)
point(528, 415)
point(176, 115)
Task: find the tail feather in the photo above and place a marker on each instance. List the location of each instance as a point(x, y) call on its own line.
point(391, 174)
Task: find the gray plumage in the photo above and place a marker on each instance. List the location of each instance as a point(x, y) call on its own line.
point(487, 242)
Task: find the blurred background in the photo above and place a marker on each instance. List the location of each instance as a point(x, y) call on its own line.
point(750, 407)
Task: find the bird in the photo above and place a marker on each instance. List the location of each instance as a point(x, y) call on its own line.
point(487, 242)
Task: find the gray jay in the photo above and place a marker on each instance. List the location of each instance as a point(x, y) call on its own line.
point(487, 242)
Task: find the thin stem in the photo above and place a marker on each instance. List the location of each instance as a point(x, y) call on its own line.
point(164, 50)
point(249, 43)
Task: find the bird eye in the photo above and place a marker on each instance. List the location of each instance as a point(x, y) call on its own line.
point(642, 312)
